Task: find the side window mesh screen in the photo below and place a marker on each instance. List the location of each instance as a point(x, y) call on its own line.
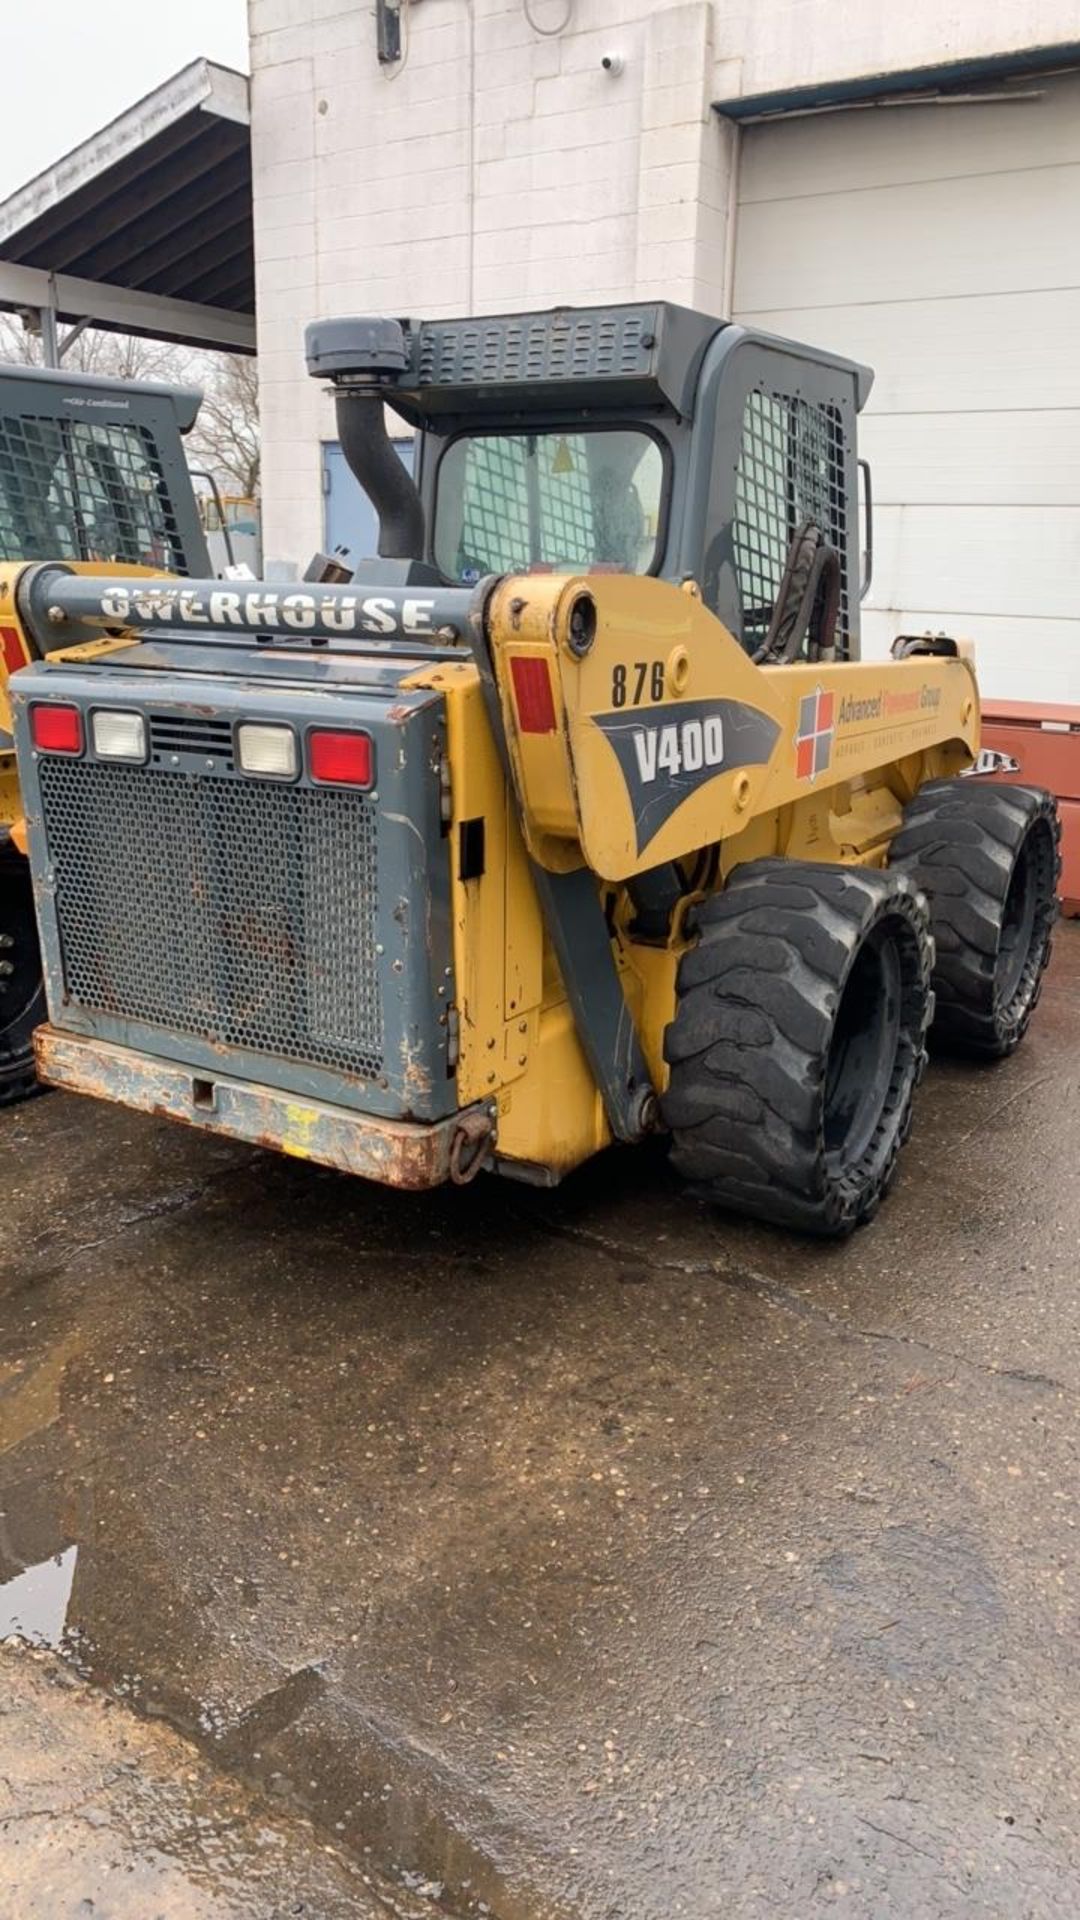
point(496, 520)
point(84, 490)
point(790, 469)
point(567, 521)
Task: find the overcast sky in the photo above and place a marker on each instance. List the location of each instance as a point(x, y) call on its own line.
point(72, 65)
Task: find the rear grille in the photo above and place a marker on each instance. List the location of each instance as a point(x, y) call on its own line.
point(240, 913)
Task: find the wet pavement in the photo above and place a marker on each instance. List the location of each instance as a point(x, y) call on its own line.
point(107, 1817)
point(576, 1556)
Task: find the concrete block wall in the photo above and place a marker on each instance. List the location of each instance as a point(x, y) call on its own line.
point(499, 166)
point(496, 168)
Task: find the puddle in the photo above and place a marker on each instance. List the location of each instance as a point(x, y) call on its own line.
point(34, 1603)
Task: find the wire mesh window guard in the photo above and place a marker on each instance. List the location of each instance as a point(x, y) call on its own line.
point(791, 468)
point(84, 490)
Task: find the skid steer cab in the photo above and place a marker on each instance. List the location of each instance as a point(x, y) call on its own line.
point(573, 815)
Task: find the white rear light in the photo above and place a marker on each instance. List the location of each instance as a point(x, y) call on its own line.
point(268, 750)
point(119, 736)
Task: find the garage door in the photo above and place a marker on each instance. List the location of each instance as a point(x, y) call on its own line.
point(941, 244)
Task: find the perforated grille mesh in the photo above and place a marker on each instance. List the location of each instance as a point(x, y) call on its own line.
point(791, 468)
point(84, 490)
point(238, 912)
point(539, 347)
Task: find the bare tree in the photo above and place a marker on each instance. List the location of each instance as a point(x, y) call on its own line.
point(18, 343)
point(129, 356)
point(226, 434)
point(118, 356)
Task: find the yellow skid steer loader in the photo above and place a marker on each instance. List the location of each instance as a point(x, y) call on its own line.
point(572, 817)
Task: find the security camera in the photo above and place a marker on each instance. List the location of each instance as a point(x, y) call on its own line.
point(613, 63)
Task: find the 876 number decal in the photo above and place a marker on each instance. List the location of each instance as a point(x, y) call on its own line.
point(642, 680)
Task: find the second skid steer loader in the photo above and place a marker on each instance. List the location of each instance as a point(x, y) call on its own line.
point(92, 472)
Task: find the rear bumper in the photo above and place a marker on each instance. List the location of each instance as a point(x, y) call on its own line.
point(396, 1152)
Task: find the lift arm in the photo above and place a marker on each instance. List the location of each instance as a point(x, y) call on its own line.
point(639, 731)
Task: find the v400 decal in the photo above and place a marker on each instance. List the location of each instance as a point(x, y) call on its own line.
point(666, 752)
point(679, 746)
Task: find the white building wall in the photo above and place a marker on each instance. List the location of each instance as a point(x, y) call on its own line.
point(501, 167)
point(494, 169)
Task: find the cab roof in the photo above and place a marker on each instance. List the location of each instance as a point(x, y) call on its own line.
point(185, 401)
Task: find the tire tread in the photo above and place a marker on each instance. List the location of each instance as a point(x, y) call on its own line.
point(960, 842)
point(755, 1003)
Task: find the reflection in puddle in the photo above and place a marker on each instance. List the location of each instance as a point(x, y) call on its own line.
point(34, 1604)
point(30, 1401)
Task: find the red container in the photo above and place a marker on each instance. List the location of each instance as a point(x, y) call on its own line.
point(1045, 741)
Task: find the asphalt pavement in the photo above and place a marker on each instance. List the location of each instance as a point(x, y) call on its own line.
point(560, 1556)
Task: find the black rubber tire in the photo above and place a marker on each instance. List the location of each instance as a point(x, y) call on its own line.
point(988, 860)
point(22, 992)
point(798, 1040)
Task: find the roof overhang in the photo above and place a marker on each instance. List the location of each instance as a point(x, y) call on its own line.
point(950, 80)
point(146, 227)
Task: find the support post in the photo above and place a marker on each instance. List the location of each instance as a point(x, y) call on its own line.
point(50, 345)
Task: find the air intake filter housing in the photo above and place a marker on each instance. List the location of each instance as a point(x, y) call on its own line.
point(358, 349)
point(363, 357)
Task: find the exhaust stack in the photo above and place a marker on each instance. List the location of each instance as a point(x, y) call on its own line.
point(362, 359)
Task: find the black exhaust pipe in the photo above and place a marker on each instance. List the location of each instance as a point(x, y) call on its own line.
point(361, 359)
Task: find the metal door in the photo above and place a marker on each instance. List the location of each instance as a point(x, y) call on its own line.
point(349, 519)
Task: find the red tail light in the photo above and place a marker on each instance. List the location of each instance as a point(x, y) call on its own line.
point(341, 759)
point(55, 728)
point(12, 652)
point(532, 691)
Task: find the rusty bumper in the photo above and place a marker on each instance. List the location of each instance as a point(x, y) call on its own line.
point(399, 1153)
